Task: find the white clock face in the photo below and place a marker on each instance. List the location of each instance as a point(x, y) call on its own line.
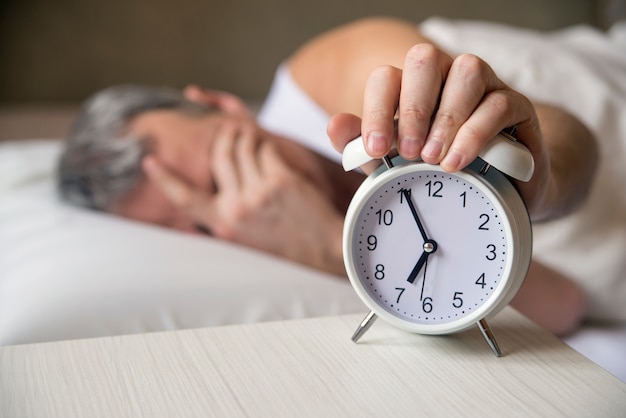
point(429, 247)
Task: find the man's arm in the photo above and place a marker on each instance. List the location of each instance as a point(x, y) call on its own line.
point(551, 300)
point(573, 154)
point(333, 67)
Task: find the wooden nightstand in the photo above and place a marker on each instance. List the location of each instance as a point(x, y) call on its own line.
point(307, 368)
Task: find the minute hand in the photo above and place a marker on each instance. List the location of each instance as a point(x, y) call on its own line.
point(407, 197)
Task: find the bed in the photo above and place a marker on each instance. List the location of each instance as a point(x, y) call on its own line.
point(68, 273)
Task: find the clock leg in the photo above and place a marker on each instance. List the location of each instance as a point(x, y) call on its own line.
point(364, 326)
point(489, 337)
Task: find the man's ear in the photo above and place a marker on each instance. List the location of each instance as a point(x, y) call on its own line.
point(223, 100)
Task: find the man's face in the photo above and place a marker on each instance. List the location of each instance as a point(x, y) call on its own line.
point(183, 144)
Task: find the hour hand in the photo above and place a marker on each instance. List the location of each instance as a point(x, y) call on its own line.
point(430, 247)
point(418, 267)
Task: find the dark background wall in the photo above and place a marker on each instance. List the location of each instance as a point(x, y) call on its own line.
point(54, 51)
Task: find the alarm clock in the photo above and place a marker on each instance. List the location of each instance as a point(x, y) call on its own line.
point(433, 252)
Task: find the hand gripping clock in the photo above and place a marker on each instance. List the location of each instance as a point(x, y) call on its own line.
point(434, 252)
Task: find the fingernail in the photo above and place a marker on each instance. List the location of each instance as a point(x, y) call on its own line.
point(453, 160)
point(376, 143)
point(409, 148)
point(432, 149)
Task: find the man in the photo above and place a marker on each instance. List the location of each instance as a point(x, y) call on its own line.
point(209, 166)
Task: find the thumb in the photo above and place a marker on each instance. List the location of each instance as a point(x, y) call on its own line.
point(343, 128)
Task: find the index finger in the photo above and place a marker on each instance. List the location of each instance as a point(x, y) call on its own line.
point(343, 128)
point(424, 74)
point(380, 101)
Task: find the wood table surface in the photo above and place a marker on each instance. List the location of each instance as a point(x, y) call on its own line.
point(308, 368)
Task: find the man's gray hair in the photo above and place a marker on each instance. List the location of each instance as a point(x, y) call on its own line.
point(101, 163)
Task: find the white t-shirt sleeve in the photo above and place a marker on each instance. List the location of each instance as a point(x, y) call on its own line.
point(290, 112)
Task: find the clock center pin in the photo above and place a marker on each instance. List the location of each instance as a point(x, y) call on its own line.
point(430, 246)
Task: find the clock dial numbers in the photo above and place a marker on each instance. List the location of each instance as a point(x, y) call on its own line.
point(429, 247)
point(384, 217)
point(434, 188)
point(427, 305)
point(457, 300)
point(491, 254)
point(372, 242)
point(481, 281)
point(483, 226)
point(401, 291)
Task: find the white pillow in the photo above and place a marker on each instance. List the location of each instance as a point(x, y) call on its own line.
point(71, 273)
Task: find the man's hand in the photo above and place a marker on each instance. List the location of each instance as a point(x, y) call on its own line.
point(447, 110)
point(258, 200)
